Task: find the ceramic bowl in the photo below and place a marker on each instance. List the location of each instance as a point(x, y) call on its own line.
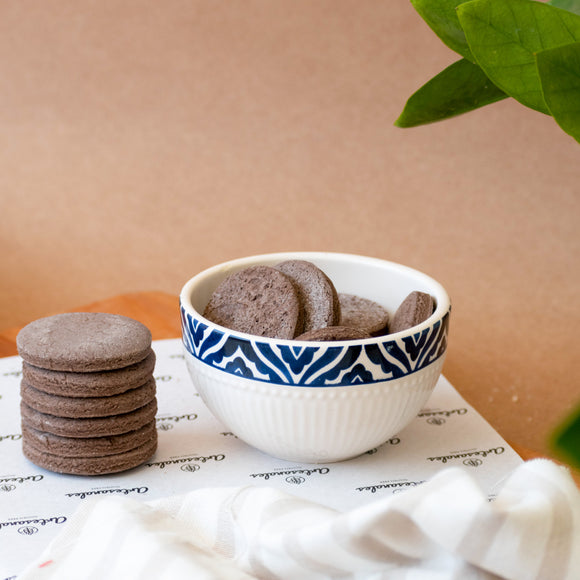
point(317, 402)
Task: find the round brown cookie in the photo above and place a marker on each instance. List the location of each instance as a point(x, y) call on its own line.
point(363, 314)
point(87, 446)
point(91, 465)
point(416, 308)
point(90, 427)
point(84, 342)
point(316, 292)
point(75, 407)
point(258, 300)
point(93, 384)
point(333, 333)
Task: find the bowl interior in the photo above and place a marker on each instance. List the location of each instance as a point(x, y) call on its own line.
point(387, 283)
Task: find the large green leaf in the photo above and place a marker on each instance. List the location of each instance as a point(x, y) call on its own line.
point(571, 5)
point(559, 70)
point(441, 16)
point(460, 88)
point(504, 37)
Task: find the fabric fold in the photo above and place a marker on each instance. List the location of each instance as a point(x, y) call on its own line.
point(446, 528)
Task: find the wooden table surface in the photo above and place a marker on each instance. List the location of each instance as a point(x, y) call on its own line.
point(159, 311)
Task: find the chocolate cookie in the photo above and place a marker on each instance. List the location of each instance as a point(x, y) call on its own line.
point(416, 308)
point(89, 427)
point(82, 407)
point(93, 384)
point(91, 465)
point(331, 333)
point(258, 300)
point(364, 314)
point(316, 292)
point(87, 446)
point(84, 342)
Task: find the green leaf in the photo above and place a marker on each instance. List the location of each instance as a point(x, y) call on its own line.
point(566, 439)
point(460, 88)
point(504, 37)
point(559, 70)
point(570, 5)
point(441, 16)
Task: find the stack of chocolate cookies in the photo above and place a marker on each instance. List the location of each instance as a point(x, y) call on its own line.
point(88, 393)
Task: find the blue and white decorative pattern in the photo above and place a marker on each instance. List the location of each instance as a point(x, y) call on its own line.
point(314, 366)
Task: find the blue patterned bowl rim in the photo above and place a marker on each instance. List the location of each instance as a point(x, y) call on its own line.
point(329, 364)
point(311, 364)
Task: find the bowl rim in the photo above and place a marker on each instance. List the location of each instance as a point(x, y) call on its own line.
point(442, 309)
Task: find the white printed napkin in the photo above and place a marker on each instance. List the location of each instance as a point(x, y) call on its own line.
point(446, 528)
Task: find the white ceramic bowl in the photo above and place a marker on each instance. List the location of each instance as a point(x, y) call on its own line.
point(317, 402)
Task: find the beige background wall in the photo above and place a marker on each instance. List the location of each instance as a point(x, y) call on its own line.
point(141, 141)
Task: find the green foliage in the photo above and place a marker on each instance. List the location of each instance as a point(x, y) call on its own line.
point(566, 440)
point(461, 87)
point(524, 49)
point(442, 18)
point(559, 70)
point(570, 5)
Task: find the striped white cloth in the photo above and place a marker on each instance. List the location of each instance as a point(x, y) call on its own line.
point(446, 528)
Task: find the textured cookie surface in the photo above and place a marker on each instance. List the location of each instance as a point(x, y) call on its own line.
point(416, 308)
point(87, 446)
point(90, 427)
point(258, 300)
point(331, 333)
point(91, 384)
point(84, 342)
point(364, 314)
point(91, 465)
point(316, 292)
point(82, 407)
